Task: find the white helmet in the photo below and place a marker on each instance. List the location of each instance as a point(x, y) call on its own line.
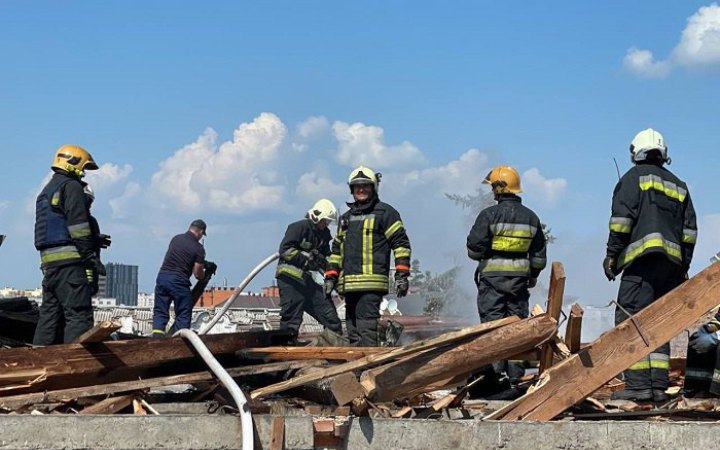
point(647, 141)
point(364, 175)
point(323, 209)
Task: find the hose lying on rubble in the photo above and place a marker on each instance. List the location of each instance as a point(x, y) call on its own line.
point(237, 394)
point(238, 291)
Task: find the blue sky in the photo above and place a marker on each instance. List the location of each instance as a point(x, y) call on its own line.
point(431, 95)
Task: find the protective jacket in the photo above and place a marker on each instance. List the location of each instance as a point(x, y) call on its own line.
point(507, 239)
point(651, 213)
point(367, 234)
point(301, 238)
point(62, 225)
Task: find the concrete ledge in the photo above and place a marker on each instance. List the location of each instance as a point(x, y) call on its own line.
point(183, 432)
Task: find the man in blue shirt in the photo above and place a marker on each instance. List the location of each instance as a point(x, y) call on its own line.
point(185, 257)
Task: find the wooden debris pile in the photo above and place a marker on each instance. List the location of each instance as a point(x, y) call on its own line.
point(425, 379)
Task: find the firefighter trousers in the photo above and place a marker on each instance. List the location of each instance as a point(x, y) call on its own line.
point(66, 311)
point(644, 281)
point(362, 313)
point(702, 373)
point(298, 297)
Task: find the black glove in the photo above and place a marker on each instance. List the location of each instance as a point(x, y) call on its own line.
point(315, 260)
point(210, 268)
point(610, 268)
point(329, 286)
point(532, 282)
point(96, 266)
point(104, 240)
point(402, 283)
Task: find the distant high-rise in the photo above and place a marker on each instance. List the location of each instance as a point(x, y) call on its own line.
point(121, 283)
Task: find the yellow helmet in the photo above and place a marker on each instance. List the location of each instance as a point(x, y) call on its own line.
point(364, 175)
point(74, 159)
point(504, 180)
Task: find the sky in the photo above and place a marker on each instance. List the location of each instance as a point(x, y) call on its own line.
point(246, 113)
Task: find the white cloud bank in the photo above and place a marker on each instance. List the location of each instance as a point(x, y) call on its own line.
point(699, 46)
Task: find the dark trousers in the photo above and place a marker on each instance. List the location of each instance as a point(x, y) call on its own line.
point(298, 297)
point(644, 281)
point(362, 312)
point(702, 372)
point(171, 288)
point(500, 297)
point(66, 311)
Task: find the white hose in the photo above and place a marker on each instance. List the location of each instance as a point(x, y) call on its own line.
point(237, 394)
point(238, 291)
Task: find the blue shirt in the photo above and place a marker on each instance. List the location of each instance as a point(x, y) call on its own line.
point(182, 253)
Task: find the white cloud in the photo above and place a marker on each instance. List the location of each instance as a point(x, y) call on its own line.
point(546, 191)
point(700, 42)
point(699, 46)
point(461, 176)
point(107, 175)
point(643, 64)
point(237, 176)
point(311, 186)
point(365, 144)
point(312, 127)
point(120, 206)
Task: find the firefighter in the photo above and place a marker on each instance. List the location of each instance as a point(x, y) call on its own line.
point(100, 240)
point(304, 250)
point(359, 265)
point(702, 374)
point(68, 259)
point(185, 257)
point(508, 241)
point(652, 236)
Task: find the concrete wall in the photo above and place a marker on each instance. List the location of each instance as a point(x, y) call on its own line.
point(223, 432)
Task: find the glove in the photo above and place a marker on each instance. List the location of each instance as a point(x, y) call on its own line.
point(329, 286)
point(95, 265)
point(210, 268)
point(532, 282)
point(610, 268)
point(315, 260)
point(402, 283)
point(104, 240)
point(704, 340)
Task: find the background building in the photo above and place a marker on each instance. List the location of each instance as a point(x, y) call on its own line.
point(121, 283)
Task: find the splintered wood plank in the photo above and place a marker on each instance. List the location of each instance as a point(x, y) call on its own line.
point(295, 353)
point(574, 328)
point(74, 365)
point(554, 308)
point(99, 332)
point(395, 380)
point(65, 395)
point(577, 377)
point(110, 405)
point(415, 347)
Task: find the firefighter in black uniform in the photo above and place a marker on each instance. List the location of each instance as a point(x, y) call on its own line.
point(67, 251)
point(652, 236)
point(303, 250)
point(508, 241)
point(702, 374)
point(359, 266)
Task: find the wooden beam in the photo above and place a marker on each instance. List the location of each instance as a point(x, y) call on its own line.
point(110, 405)
point(64, 395)
point(554, 308)
point(345, 388)
point(415, 347)
point(295, 353)
point(574, 328)
point(74, 365)
point(577, 377)
point(99, 332)
point(277, 434)
point(396, 380)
